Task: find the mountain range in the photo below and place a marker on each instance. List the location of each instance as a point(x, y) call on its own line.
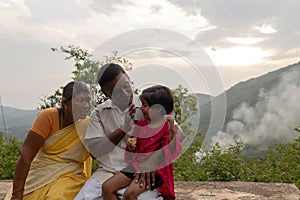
point(248, 92)
point(261, 111)
point(17, 121)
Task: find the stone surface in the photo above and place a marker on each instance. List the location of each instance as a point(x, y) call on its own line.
point(236, 191)
point(4, 188)
point(220, 191)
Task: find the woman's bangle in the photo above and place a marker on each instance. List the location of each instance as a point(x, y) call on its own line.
point(17, 191)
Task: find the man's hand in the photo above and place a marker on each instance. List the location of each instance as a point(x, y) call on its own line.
point(145, 175)
point(129, 119)
point(144, 179)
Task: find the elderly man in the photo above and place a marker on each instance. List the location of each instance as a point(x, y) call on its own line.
point(106, 135)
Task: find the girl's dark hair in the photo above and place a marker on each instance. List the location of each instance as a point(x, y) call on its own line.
point(73, 88)
point(160, 95)
point(108, 72)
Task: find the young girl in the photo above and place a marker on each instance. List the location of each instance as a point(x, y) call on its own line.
point(153, 133)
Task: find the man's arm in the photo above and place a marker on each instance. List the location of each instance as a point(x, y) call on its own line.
point(100, 146)
point(100, 143)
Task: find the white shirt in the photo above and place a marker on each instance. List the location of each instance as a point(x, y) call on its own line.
point(104, 120)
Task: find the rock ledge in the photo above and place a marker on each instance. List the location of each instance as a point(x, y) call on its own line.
point(219, 190)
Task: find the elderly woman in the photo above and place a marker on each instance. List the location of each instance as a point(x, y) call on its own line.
point(52, 157)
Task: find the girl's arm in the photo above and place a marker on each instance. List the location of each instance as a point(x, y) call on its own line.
point(171, 143)
point(170, 120)
point(29, 149)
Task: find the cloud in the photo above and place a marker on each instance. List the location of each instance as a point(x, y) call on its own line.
point(108, 7)
point(245, 41)
point(219, 25)
point(13, 14)
point(266, 28)
point(155, 8)
point(238, 56)
point(47, 11)
point(273, 21)
point(90, 22)
point(45, 21)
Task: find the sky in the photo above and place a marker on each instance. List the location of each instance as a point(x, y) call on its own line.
point(208, 46)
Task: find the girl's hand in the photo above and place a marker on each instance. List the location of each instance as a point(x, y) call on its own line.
point(131, 144)
point(170, 120)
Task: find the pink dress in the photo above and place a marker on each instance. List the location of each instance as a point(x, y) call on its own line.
point(150, 140)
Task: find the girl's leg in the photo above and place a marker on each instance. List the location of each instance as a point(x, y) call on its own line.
point(133, 190)
point(111, 185)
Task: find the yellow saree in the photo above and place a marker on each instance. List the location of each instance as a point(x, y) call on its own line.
point(61, 167)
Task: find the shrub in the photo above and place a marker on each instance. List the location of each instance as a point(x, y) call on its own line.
point(281, 164)
point(9, 153)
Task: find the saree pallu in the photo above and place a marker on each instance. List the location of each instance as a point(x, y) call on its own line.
point(57, 171)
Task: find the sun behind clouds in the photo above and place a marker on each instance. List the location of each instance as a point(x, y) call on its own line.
point(238, 56)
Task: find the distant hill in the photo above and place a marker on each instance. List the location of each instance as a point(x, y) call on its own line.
point(202, 98)
point(248, 93)
point(17, 121)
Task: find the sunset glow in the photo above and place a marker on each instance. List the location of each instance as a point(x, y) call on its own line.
point(238, 56)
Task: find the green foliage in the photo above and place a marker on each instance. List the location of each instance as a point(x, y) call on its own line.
point(297, 129)
point(185, 105)
point(86, 71)
point(221, 165)
point(212, 164)
point(9, 153)
point(53, 100)
point(186, 166)
point(281, 164)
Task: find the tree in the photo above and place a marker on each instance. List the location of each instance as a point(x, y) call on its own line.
point(297, 129)
point(86, 71)
point(185, 104)
point(52, 100)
